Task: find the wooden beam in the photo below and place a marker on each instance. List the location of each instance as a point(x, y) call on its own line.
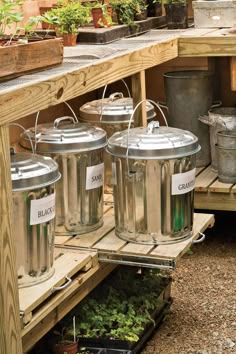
point(139, 95)
point(207, 46)
point(48, 89)
point(10, 332)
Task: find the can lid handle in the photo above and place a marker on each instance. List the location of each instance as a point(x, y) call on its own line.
point(152, 126)
point(114, 96)
point(59, 120)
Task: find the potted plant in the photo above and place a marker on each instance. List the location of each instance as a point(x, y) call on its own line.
point(176, 14)
point(124, 10)
point(154, 8)
point(140, 8)
point(65, 345)
point(68, 18)
point(10, 16)
point(101, 14)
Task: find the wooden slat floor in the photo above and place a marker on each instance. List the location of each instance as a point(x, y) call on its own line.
point(112, 248)
point(212, 194)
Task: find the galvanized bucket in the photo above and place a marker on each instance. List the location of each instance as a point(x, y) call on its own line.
point(189, 94)
point(111, 114)
point(226, 156)
point(78, 149)
point(219, 119)
point(33, 183)
point(154, 174)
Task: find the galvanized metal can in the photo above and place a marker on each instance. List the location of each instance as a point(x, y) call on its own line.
point(226, 156)
point(78, 149)
point(153, 183)
point(189, 94)
point(33, 183)
point(111, 114)
point(218, 119)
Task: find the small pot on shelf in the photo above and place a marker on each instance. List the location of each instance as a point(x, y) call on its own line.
point(65, 347)
point(102, 17)
point(69, 39)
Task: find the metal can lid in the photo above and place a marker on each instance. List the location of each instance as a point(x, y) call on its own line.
point(113, 109)
point(64, 135)
point(153, 142)
point(31, 171)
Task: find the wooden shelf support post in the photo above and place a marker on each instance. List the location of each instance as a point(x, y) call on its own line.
point(233, 73)
point(10, 331)
point(139, 94)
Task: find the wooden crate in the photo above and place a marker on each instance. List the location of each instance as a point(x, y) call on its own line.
point(19, 59)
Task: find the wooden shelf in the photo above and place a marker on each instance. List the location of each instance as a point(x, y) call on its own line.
point(211, 194)
point(111, 249)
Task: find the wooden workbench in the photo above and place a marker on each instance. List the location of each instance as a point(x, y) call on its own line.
point(31, 93)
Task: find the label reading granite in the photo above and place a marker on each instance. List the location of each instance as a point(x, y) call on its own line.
point(183, 182)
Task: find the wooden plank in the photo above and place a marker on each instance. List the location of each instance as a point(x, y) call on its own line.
point(215, 201)
point(135, 248)
point(199, 170)
point(68, 264)
point(61, 240)
point(110, 243)
point(139, 95)
point(176, 250)
point(88, 240)
point(69, 83)
point(207, 46)
point(53, 311)
point(197, 32)
point(220, 187)
point(9, 303)
point(205, 179)
point(19, 59)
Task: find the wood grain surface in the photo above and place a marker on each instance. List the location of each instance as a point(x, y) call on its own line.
point(9, 303)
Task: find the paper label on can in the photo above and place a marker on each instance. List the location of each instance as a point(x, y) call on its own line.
point(113, 169)
point(94, 176)
point(42, 210)
point(183, 182)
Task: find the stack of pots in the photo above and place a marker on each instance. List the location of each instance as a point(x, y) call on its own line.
point(219, 119)
point(154, 174)
point(78, 150)
point(33, 183)
point(111, 114)
point(226, 156)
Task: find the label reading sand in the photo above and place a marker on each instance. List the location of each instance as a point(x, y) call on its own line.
point(94, 176)
point(42, 210)
point(183, 182)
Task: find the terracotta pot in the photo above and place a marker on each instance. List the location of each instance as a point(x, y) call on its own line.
point(42, 11)
point(65, 347)
point(69, 39)
point(99, 19)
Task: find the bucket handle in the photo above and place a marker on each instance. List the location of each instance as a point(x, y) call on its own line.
point(104, 92)
point(150, 129)
point(58, 288)
point(36, 123)
point(199, 240)
point(31, 142)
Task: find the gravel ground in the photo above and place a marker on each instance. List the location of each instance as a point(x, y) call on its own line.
point(202, 318)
